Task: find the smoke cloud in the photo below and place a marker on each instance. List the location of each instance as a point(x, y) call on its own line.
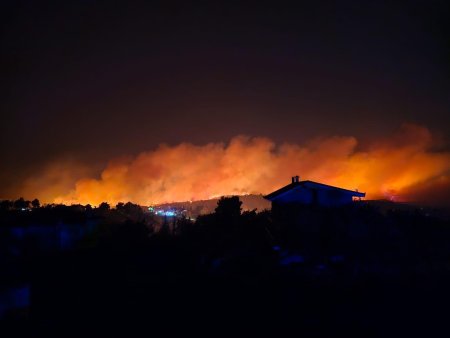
point(403, 167)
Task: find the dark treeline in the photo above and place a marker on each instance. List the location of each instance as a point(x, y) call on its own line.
point(23, 212)
point(291, 271)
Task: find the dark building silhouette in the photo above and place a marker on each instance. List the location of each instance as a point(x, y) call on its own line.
point(312, 193)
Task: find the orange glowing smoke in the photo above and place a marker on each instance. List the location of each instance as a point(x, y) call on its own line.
point(395, 168)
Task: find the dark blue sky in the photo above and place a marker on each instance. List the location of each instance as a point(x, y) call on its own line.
point(97, 79)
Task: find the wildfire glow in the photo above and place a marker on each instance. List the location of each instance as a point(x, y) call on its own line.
point(401, 167)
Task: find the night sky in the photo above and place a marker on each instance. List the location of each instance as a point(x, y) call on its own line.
point(92, 80)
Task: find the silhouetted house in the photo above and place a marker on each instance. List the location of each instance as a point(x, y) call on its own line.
point(312, 193)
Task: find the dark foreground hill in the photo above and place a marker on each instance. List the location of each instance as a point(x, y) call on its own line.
point(355, 271)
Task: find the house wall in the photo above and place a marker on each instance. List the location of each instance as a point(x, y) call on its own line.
point(333, 198)
point(315, 196)
point(297, 195)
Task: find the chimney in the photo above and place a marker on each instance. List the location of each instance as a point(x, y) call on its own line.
point(295, 179)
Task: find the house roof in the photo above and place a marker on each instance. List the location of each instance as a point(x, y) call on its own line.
point(310, 184)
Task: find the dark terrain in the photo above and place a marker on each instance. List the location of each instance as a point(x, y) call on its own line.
point(359, 270)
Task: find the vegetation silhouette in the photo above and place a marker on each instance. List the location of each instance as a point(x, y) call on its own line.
point(354, 270)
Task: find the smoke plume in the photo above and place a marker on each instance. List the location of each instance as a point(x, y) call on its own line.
point(403, 167)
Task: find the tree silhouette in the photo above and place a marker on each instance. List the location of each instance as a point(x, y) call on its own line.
point(131, 211)
point(228, 207)
point(35, 203)
point(6, 205)
point(21, 204)
point(104, 206)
